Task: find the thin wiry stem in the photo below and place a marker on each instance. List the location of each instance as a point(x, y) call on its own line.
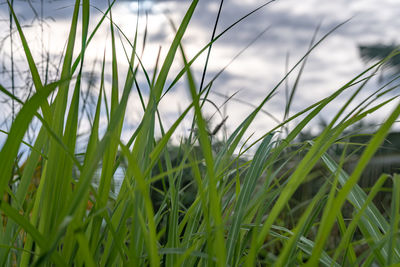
point(12, 63)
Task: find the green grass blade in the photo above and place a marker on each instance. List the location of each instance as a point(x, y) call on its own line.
point(53, 189)
point(374, 144)
point(248, 187)
point(394, 221)
point(29, 228)
point(32, 65)
point(96, 28)
point(10, 148)
point(298, 232)
point(144, 189)
point(373, 223)
point(346, 238)
point(214, 199)
point(144, 137)
point(107, 170)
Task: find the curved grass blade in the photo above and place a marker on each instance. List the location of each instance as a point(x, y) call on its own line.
point(17, 131)
point(298, 232)
point(144, 189)
point(250, 180)
point(374, 144)
point(346, 238)
point(144, 138)
point(394, 221)
point(29, 228)
point(32, 65)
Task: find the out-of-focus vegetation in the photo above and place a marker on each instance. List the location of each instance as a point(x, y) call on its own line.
point(295, 200)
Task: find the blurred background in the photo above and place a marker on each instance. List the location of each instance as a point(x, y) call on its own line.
point(254, 55)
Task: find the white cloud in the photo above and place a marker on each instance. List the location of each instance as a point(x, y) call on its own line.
point(292, 22)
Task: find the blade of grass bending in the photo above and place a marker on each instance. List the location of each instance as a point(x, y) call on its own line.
point(22, 190)
point(50, 210)
point(288, 249)
point(173, 227)
point(374, 144)
point(46, 125)
point(114, 63)
point(162, 143)
point(210, 47)
point(21, 123)
point(196, 219)
point(214, 201)
point(205, 65)
point(185, 68)
point(78, 59)
point(144, 189)
point(323, 142)
point(164, 140)
point(173, 192)
point(235, 138)
point(70, 137)
point(373, 222)
point(144, 139)
point(32, 65)
point(31, 230)
point(118, 231)
point(174, 183)
point(84, 250)
point(106, 177)
point(394, 221)
point(250, 180)
point(295, 85)
point(34, 218)
point(350, 256)
point(94, 133)
point(120, 214)
point(60, 104)
point(346, 238)
point(83, 185)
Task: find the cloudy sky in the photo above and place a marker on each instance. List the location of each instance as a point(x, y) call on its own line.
point(289, 26)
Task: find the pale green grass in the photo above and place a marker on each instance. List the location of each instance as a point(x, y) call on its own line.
point(237, 216)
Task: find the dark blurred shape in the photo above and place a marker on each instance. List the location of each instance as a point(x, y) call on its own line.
point(379, 52)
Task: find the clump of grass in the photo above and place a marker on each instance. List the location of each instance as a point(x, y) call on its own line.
point(236, 213)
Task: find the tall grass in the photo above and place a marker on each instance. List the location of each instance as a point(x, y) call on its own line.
point(237, 214)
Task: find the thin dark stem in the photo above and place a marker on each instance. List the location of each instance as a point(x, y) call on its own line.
point(42, 34)
point(12, 63)
point(209, 49)
point(206, 65)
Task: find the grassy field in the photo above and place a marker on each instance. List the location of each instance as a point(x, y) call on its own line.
point(199, 203)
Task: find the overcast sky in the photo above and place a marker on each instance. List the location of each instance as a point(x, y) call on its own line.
point(290, 26)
